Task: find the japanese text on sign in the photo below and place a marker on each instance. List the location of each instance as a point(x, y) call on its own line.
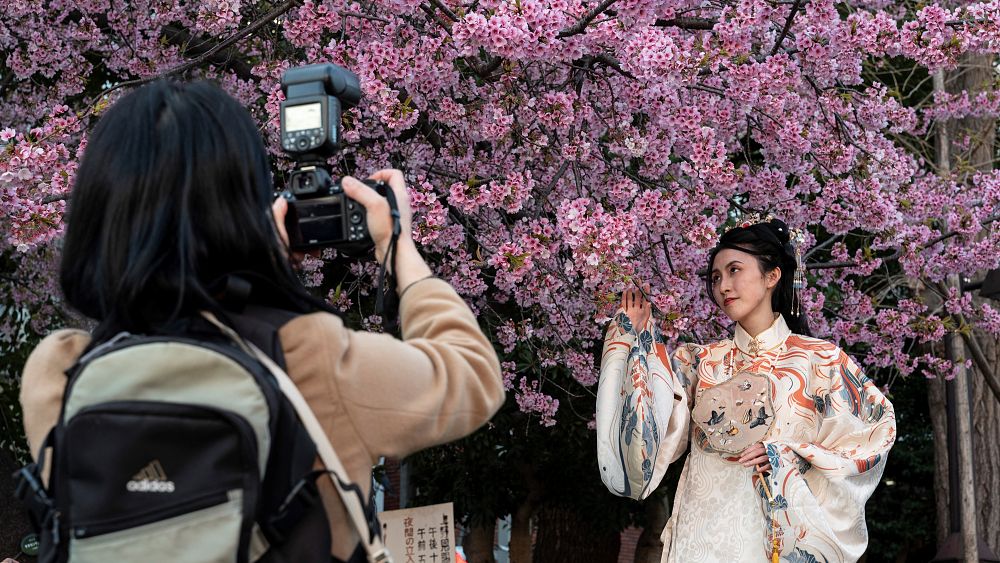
point(424, 534)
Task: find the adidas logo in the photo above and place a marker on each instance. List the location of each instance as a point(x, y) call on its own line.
point(150, 479)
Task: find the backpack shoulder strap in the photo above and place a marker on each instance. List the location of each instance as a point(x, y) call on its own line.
point(260, 325)
point(347, 489)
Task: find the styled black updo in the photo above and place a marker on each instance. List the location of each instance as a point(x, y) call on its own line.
point(770, 243)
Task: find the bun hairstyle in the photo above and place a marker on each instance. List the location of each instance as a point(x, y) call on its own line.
point(770, 242)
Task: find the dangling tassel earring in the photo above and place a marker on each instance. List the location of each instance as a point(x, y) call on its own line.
point(799, 281)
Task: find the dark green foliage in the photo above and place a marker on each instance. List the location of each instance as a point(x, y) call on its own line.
point(901, 517)
point(477, 473)
point(514, 460)
point(14, 350)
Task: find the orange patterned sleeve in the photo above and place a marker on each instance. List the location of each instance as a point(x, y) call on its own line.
point(642, 407)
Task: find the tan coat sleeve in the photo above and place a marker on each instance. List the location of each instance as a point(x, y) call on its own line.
point(44, 380)
point(440, 383)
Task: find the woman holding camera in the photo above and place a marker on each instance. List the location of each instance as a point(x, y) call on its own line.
point(173, 194)
point(789, 438)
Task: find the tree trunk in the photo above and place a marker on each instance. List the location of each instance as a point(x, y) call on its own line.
point(939, 423)
point(522, 522)
point(986, 445)
point(962, 478)
point(521, 533)
point(972, 151)
point(650, 548)
point(478, 544)
point(565, 537)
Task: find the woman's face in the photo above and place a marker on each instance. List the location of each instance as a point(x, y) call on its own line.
point(739, 286)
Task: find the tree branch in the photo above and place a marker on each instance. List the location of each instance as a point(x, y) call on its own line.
point(264, 20)
point(555, 179)
point(198, 47)
point(436, 17)
point(447, 11)
point(709, 89)
point(487, 69)
point(788, 26)
point(959, 23)
point(942, 238)
point(8, 77)
point(980, 359)
point(581, 25)
point(898, 252)
point(614, 65)
point(55, 198)
point(361, 16)
point(666, 252)
point(830, 265)
point(821, 246)
point(702, 24)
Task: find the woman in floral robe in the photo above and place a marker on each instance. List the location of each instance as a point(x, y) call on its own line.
point(797, 495)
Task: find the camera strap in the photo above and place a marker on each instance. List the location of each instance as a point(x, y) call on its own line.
point(385, 306)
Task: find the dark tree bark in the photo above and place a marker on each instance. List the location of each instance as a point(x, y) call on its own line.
point(564, 536)
point(986, 447)
point(478, 544)
point(975, 75)
point(939, 421)
point(650, 548)
point(522, 536)
point(972, 150)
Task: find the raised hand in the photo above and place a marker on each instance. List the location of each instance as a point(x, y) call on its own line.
point(637, 307)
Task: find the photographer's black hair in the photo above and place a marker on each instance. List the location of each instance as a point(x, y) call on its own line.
point(770, 243)
point(173, 193)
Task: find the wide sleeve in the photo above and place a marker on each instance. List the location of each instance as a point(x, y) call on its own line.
point(822, 485)
point(643, 407)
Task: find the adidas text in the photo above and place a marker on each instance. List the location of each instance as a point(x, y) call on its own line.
point(150, 479)
point(147, 486)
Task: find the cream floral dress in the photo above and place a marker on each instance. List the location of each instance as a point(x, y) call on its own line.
point(827, 445)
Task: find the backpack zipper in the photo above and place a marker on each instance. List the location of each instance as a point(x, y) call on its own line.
point(109, 525)
point(252, 475)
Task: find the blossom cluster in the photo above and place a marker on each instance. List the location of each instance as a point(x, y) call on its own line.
point(556, 155)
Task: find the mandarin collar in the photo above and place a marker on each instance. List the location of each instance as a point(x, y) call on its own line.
point(766, 341)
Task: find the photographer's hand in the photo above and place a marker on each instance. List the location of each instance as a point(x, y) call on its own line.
point(279, 209)
point(410, 265)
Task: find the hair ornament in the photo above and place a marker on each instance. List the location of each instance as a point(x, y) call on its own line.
point(751, 219)
point(798, 239)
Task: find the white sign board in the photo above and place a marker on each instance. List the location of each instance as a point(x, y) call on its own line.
point(424, 534)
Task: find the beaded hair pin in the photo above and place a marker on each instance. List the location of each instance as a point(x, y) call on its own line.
point(798, 239)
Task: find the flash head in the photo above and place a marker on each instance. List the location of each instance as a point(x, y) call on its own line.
point(310, 115)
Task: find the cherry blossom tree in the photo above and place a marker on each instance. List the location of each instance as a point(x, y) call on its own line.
point(559, 151)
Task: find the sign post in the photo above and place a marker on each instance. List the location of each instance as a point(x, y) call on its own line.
point(424, 534)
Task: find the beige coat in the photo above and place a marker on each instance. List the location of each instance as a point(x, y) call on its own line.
point(375, 395)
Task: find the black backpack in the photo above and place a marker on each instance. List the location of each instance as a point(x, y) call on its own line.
point(181, 447)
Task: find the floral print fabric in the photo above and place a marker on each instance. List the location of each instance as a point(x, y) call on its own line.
point(827, 445)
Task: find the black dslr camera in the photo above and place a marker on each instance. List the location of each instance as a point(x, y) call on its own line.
point(319, 212)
